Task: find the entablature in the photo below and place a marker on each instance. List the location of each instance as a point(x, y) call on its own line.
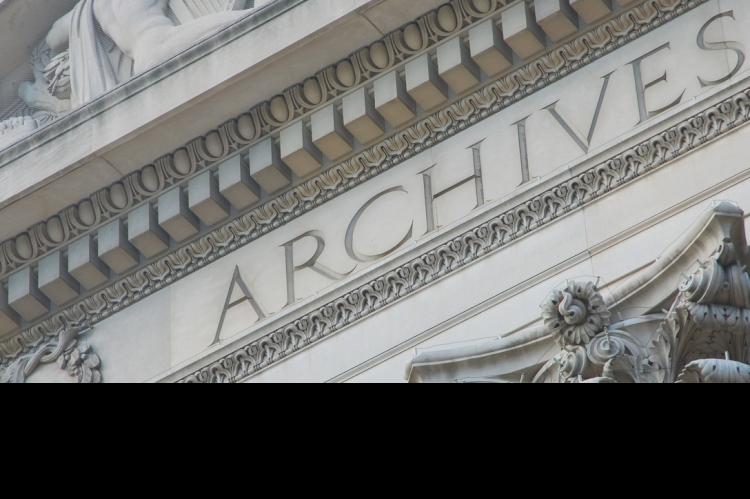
point(167, 106)
point(164, 108)
point(202, 155)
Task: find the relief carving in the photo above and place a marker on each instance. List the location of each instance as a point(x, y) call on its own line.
point(205, 152)
point(142, 32)
point(703, 337)
point(65, 349)
point(706, 334)
point(486, 238)
point(324, 87)
point(577, 316)
point(103, 43)
point(491, 236)
point(715, 371)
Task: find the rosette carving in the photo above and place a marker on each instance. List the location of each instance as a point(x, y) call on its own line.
point(575, 314)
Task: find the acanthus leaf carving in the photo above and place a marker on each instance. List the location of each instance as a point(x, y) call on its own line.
point(578, 318)
point(708, 325)
point(341, 178)
point(703, 338)
point(64, 349)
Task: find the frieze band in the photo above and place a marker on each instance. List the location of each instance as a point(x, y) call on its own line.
point(480, 241)
point(440, 126)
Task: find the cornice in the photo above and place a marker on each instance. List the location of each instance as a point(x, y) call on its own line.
point(263, 120)
point(174, 170)
point(467, 111)
point(254, 20)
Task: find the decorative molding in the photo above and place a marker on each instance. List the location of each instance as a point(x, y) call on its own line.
point(230, 138)
point(570, 263)
point(575, 313)
point(445, 123)
point(484, 239)
point(493, 98)
point(704, 338)
point(65, 349)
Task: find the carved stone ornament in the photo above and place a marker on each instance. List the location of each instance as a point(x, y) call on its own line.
point(103, 43)
point(500, 231)
point(66, 350)
point(258, 221)
point(575, 314)
point(269, 117)
point(704, 336)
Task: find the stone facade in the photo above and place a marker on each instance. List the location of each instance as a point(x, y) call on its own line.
point(493, 191)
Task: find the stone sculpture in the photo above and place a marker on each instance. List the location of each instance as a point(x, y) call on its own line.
point(578, 318)
point(14, 129)
point(715, 371)
point(703, 338)
point(142, 32)
point(696, 332)
point(66, 349)
point(576, 313)
point(101, 44)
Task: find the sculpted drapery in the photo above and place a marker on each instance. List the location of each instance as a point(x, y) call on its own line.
point(101, 44)
point(143, 34)
point(92, 72)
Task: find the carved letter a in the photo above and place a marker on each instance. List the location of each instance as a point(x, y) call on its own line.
point(229, 304)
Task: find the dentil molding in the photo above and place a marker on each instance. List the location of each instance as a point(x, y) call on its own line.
point(462, 114)
point(198, 155)
point(261, 121)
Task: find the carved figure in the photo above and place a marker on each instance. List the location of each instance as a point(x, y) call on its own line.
point(142, 32)
point(103, 43)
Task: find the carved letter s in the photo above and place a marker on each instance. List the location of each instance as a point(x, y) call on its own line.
point(735, 47)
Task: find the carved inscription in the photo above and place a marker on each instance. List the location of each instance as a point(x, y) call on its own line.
point(476, 168)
